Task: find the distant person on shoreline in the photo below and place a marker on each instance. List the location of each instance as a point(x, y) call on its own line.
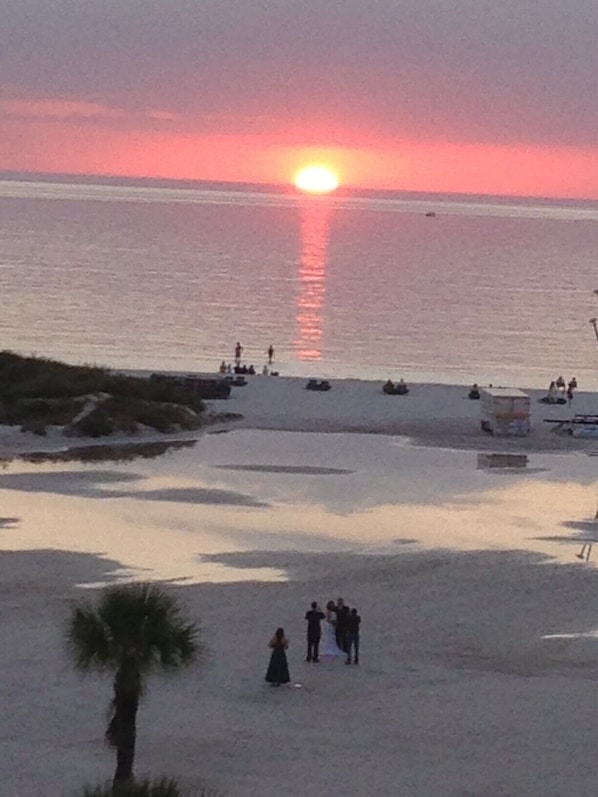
point(238, 353)
point(270, 354)
point(278, 668)
point(570, 388)
point(560, 383)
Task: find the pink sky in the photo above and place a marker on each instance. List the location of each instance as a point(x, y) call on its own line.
point(474, 97)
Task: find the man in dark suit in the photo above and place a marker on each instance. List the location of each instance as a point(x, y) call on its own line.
point(352, 636)
point(314, 632)
point(342, 614)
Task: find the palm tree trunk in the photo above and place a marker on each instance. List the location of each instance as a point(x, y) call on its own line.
point(126, 703)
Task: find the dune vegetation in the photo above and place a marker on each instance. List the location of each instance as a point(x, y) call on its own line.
point(91, 401)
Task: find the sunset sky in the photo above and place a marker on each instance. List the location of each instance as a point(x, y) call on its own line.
point(478, 96)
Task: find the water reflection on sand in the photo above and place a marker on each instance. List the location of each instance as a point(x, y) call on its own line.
point(172, 517)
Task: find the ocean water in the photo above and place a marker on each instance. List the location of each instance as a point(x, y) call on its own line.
point(148, 277)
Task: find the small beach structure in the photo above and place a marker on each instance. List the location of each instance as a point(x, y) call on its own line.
point(505, 411)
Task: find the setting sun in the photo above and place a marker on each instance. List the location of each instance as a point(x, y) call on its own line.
point(316, 180)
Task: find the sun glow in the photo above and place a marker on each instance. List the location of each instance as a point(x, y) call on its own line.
point(316, 180)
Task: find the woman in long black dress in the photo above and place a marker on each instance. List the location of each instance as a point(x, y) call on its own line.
point(278, 669)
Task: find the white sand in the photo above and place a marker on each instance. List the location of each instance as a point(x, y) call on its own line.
point(430, 414)
point(478, 664)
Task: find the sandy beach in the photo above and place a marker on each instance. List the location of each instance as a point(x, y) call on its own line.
point(479, 648)
point(254, 256)
point(431, 414)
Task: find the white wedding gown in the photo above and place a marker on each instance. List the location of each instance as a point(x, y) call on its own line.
point(328, 647)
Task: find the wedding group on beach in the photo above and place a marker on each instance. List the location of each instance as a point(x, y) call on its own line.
point(340, 638)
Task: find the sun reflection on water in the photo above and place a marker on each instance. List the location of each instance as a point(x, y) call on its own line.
point(315, 228)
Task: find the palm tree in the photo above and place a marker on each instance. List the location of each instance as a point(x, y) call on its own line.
point(135, 629)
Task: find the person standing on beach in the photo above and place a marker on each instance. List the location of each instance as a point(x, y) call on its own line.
point(238, 353)
point(270, 354)
point(278, 668)
point(571, 386)
point(330, 650)
point(314, 632)
point(352, 636)
point(342, 613)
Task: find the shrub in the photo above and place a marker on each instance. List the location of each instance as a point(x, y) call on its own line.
point(166, 417)
point(36, 427)
point(46, 391)
point(97, 423)
point(145, 788)
point(41, 378)
point(166, 787)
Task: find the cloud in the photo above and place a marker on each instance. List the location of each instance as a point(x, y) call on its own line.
point(482, 71)
point(509, 76)
point(57, 109)
point(81, 112)
point(164, 116)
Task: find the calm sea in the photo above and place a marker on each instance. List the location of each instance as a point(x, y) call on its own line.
point(144, 277)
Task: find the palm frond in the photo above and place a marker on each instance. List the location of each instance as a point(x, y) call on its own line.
point(138, 623)
point(88, 641)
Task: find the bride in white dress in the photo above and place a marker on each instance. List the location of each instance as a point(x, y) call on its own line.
point(329, 647)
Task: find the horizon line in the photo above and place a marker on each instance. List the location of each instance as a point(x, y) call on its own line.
point(287, 188)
